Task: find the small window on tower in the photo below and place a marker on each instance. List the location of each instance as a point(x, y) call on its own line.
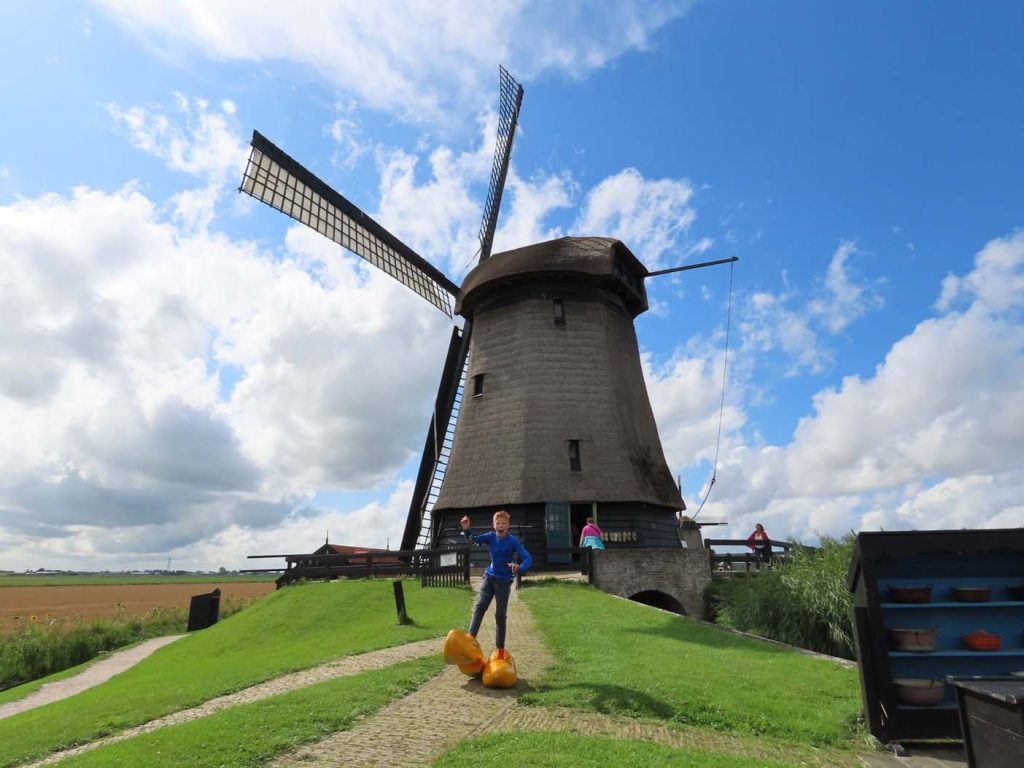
point(559, 309)
point(478, 385)
point(574, 455)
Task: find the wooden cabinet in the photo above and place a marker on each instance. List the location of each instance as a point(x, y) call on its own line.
point(887, 568)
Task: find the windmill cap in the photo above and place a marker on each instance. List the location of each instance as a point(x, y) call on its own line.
point(601, 261)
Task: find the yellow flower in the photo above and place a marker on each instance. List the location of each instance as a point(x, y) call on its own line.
point(32, 618)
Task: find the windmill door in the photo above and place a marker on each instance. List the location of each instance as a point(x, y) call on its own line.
point(558, 532)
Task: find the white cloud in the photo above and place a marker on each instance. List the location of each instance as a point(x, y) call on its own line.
point(650, 215)
point(417, 59)
point(120, 332)
point(931, 440)
point(194, 141)
point(845, 299)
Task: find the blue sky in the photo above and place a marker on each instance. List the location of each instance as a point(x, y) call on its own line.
point(185, 375)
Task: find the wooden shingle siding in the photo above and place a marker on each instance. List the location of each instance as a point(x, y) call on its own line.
point(557, 389)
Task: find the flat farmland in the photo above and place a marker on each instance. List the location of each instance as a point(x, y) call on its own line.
point(87, 602)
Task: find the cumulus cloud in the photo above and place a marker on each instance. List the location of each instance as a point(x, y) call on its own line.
point(170, 383)
point(930, 440)
point(649, 215)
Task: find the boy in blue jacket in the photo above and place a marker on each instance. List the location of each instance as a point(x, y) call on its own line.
point(497, 582)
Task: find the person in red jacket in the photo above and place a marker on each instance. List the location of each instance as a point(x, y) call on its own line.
point(761, 544)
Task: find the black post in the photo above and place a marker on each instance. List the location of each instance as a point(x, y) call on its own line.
point(403, 617)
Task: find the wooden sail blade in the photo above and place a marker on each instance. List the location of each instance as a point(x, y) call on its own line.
point(510, 100)
point(437, 446)
point(276, 179)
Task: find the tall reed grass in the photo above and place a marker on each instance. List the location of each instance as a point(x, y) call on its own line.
point(40, 647)
point(803, 602)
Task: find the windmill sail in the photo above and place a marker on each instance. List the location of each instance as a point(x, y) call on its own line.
point(437, 446)
point(276, 179)
point(434, 462)
point(510, 100)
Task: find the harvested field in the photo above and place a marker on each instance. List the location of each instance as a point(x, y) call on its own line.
point(88, 603)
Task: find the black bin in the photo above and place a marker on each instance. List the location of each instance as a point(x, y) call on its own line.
point(992, 719)
point(204, 610)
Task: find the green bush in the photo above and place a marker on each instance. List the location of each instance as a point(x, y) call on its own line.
point(803, 601)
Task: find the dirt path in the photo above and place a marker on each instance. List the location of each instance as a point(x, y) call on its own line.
point(98, 673)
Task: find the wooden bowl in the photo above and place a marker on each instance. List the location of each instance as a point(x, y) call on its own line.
point(919, 692)
point(913, 640)
point(911, 594)
point(971, 594)
point(982, 641)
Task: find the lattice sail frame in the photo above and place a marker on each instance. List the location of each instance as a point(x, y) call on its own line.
point(273, 177)
point(510, 100)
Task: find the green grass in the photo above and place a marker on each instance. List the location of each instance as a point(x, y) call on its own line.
point(562, 750)
point(734, 701)
point(252, 734)
point(291, 629)
point(622, 658)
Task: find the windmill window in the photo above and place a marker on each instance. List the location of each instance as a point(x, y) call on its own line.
point(559, 309)
point(574, 455)
point(478, 385)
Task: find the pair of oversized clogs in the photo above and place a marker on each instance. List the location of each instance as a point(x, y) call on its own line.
point(496, 671)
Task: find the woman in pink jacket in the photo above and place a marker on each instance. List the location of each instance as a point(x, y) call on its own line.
point(761, 544)
point(591, 536)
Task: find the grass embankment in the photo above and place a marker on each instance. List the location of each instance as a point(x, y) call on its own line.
point(773, 705)
point(289, 630)
point(731, 701)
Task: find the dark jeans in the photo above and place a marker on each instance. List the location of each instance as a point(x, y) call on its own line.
point(490, 589)
point(764, 554)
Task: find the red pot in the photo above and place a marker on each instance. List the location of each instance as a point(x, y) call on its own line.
point(982, 641)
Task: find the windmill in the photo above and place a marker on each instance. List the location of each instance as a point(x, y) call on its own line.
point(542, 408)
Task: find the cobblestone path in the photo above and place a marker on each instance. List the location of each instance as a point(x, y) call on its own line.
point(450, 708)
point(350, 665)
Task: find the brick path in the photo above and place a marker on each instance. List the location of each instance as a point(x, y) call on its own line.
point(450, 708)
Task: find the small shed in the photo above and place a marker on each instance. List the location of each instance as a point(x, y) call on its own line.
point(917, 595)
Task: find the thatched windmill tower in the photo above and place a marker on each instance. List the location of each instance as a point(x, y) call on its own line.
point(555, 423)
point(553, 419)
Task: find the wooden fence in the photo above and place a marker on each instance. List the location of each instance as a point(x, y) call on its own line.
point(745, 559)
point(443, 567)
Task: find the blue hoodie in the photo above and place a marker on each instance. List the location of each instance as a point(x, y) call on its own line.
point(501, 554)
